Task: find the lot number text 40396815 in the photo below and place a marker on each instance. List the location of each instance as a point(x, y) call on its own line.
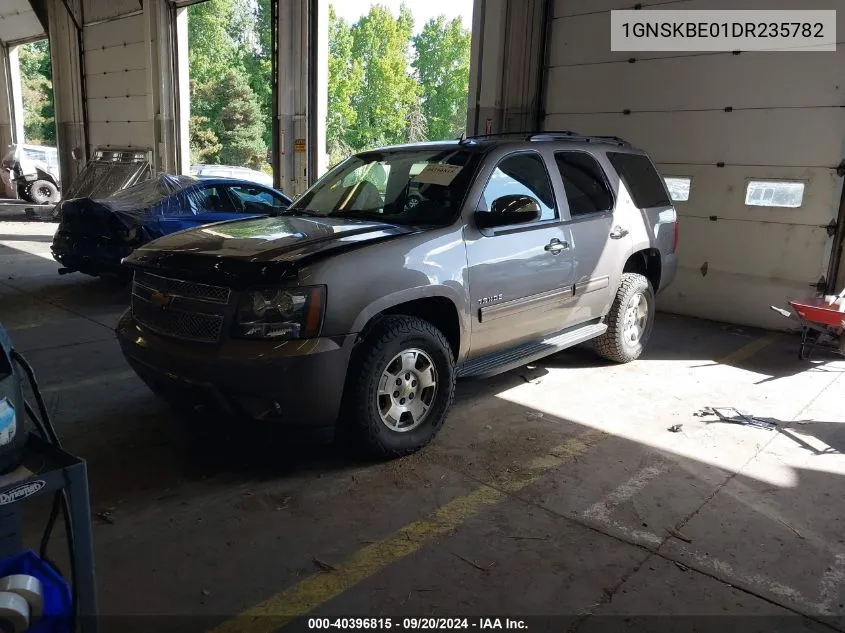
point(417, 624)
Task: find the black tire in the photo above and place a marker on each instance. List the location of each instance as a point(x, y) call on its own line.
point(391, 336)
point(613, 344)
point(43, 192)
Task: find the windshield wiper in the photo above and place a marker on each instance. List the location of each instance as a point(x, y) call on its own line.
point(303, 212)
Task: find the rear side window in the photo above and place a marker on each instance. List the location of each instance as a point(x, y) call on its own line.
point(584, 182)
point(641, 179)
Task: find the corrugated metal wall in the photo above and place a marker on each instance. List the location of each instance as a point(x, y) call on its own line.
point(786, 121)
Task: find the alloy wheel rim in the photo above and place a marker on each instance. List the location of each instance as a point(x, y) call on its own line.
point(406, 390)
point(636, 319)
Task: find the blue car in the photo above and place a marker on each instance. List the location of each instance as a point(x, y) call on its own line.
point(94, 235)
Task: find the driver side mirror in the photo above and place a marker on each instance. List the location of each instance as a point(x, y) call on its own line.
point(507, 210)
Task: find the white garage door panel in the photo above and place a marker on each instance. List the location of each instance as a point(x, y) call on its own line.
point(119, 84)
point(120, 134)
point(18, 23)
point(721, 192)
point(585, 38)
point(580, 7)
point(753, 137)
point(734, 298)
point(116, 33)
point(708, 82)
point(120, 109)
point(765, 250)
point(98, 61)
point(788, 123)
point(103, 9)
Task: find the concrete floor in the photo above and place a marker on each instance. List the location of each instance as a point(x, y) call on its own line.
point(555, 490)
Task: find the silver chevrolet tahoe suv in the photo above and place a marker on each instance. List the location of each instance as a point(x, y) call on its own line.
point(399, 271)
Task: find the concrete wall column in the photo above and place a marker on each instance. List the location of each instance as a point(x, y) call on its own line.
point(508, 51)
point(7, 115)
point(183, 78)
point(302, 96)
point(160, 31)
point(68, 90)
point(17, 92)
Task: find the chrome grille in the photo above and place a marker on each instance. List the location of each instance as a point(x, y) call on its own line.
point(189, 326)
point(182, 288)
point(178, 308)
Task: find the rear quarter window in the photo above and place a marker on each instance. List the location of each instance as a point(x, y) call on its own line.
point(641, 179)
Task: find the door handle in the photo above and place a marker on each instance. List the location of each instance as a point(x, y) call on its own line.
point(555, 247)
point(618, 233)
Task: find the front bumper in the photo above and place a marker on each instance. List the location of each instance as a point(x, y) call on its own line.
point(89, 255)
point(296, 383)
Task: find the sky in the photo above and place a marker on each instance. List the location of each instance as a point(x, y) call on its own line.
point(423, 10)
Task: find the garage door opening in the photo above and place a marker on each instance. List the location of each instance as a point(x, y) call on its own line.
point(33, 161)
point(398, 73)
point(229, 53)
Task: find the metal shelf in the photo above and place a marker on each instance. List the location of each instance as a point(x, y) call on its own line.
point(47, 469)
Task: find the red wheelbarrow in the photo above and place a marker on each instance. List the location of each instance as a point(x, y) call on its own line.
point(822, 321)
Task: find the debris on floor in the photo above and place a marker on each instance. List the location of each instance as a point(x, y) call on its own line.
point(735, 416)
point(324, 566)
point(678, 535)
point(106, 516)
point(474, 564)
point(676, 428)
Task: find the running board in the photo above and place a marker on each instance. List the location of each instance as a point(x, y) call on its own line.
point(514, 357)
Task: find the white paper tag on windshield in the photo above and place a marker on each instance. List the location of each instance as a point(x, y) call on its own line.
point(438, 174)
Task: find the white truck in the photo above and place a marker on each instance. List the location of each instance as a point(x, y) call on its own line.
point(31, 173)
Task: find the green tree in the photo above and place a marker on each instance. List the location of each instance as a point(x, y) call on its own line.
point(211, 49)
point(229, 57)
point(345, 79)
point(442, 65)
point(233, 115)
point(37, 92)
point(385, 94)
point(205, 146)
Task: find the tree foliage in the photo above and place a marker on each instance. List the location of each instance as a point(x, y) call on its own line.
point(386, 85)
point(37, 90)
point(442, 65)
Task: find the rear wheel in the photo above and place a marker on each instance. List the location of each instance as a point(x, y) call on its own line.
point(629, 322)
point(400, 386)
point(43, 192)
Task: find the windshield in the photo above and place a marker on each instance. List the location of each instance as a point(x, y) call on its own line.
point(401, 187)
point(150, 192)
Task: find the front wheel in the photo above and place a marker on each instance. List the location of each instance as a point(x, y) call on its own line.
point(43, 192)
point(400, 386)
point(629, 322)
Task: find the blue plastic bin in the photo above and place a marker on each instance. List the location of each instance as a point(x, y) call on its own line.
point(57, 617)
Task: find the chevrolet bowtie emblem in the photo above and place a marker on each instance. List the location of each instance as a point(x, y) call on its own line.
point(160, 299)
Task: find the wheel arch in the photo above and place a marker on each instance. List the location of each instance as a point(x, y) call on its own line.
point(438, 305)
point(646, 262)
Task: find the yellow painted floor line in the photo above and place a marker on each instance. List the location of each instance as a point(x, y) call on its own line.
point(308, 594)
point(748, 350)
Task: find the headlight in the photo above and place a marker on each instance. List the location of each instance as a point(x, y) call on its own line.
point(281, 313)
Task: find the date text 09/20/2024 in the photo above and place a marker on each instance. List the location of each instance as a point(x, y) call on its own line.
point(415, 624)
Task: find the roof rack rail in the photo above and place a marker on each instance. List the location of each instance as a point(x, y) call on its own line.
point(573, 136)
point(499, 135)
point(552, 135)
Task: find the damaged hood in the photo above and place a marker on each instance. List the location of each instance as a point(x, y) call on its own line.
point(267, 247)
